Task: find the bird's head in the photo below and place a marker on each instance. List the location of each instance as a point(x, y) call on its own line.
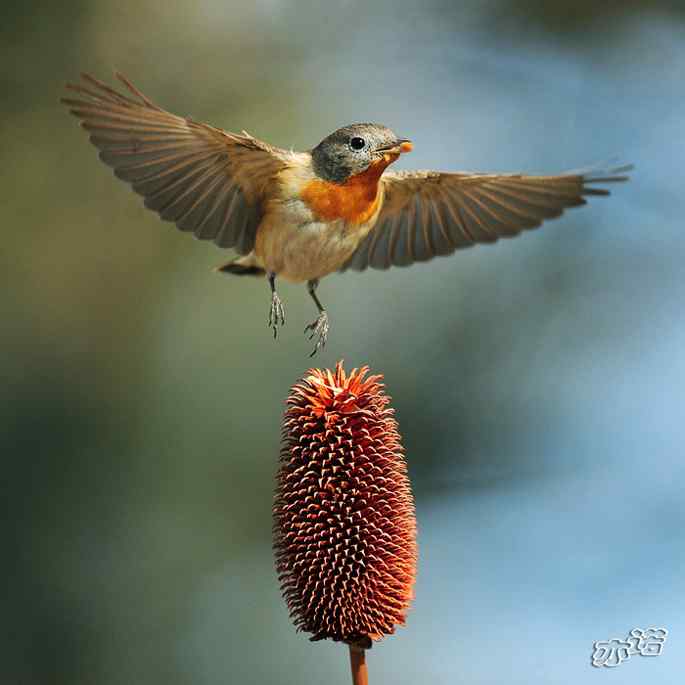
point(351, 150)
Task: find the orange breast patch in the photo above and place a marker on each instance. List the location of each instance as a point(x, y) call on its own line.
point(354, 201)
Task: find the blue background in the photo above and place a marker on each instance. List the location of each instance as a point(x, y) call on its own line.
point(538, 383)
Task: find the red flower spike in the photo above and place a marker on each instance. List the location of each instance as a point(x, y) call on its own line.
point(344, 521)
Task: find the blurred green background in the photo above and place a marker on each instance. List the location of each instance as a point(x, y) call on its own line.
point(538, 383)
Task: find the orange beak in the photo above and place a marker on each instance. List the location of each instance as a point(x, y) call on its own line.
point(401, 145)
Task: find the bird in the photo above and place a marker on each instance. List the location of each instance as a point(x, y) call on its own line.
point(300, 216)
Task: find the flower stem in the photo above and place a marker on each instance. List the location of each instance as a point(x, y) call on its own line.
point(360, 676)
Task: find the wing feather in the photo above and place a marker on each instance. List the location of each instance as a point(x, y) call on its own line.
point(208, 181)
point(429, 213)
point(444, 240)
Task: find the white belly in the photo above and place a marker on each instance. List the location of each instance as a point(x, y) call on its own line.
point(303, 251)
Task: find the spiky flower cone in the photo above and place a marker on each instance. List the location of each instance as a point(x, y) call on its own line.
point(344, 522)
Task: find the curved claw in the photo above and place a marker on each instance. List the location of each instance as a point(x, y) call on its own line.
point(319, 328)
point(276, 314)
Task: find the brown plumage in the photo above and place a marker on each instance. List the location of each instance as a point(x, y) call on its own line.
point(207, 181)
point(344, 523)
point(302, 216)
point(430, 213)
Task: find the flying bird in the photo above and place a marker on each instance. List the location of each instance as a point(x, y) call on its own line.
point(303, 215)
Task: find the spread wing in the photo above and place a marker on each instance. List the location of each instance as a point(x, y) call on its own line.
point(429, 213)
point(207, 181)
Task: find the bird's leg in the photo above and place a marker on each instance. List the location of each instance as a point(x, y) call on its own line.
point(276, 313)
point(320, 326)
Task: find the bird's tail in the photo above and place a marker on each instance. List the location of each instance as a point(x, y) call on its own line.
point(242, 266)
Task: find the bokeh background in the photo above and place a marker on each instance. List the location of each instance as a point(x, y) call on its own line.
point(538, 383)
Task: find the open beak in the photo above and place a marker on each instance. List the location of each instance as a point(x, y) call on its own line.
point(400, 146)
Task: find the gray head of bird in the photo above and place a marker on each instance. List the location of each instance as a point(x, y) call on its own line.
point(356, 148)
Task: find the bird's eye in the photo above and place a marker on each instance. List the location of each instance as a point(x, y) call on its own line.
point(357, 143)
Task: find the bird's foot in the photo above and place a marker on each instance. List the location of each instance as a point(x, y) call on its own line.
point(319, 328)
point(276, 313)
